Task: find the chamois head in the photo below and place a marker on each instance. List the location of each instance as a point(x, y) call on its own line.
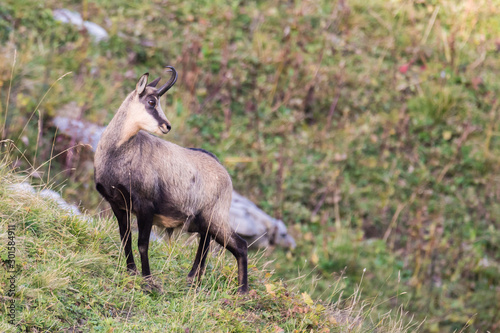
point(147, 113)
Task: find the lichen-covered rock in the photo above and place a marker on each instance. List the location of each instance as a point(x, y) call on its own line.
point(258, 228)
point(80, 131)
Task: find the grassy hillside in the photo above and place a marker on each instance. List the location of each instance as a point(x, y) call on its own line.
point(370, 127)
point(68, 275)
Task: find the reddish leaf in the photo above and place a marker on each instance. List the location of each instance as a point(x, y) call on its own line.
point(404, 68)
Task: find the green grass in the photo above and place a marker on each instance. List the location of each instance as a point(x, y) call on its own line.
point(69, 275)
point(370, 128)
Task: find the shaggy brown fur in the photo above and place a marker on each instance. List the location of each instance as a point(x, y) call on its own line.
point(163, 184)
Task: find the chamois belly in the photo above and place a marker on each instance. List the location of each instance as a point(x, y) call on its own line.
point(167, 222)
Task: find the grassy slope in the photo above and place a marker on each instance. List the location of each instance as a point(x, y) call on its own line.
point(70, 277)
point(398, 176)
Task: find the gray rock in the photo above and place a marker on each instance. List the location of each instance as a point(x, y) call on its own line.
point(68, 16)
point(96, 31)
point(74, 18)
point(81, 131)
point(258, 228)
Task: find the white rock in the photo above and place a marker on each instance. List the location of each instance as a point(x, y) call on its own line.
point(96, 31)
point(22, 187)
point(54, 196)
point(67, 16)
point(47, 194)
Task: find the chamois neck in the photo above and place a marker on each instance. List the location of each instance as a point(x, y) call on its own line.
point(128, 131)
point(121, 128)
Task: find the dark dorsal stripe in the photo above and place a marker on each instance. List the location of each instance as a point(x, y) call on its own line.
point(206, 152)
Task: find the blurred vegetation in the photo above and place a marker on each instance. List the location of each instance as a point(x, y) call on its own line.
point(370, 128)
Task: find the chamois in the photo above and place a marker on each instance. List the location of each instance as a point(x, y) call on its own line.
point(163, 184)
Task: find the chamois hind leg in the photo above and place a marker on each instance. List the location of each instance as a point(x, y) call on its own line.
point(126, 236)
point(237, 246)
point(201, 255)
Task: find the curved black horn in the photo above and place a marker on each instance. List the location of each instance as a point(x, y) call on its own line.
point(170, 82)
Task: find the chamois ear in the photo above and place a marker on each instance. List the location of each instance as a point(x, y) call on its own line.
point(154, 83)
point(141, 85)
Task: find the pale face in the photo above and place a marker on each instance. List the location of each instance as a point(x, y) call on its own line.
point(152, 118)
point(146, 113)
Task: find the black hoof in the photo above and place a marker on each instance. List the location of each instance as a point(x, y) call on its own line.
point(132, 270)
point(150, 286)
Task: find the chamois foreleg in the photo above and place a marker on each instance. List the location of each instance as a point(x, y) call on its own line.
point(145, 223)
point(126, 236)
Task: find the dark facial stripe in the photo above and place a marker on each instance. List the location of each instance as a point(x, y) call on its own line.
point(153, 110)
point(156, 115)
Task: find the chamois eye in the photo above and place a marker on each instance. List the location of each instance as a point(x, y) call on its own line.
point(152, 102)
